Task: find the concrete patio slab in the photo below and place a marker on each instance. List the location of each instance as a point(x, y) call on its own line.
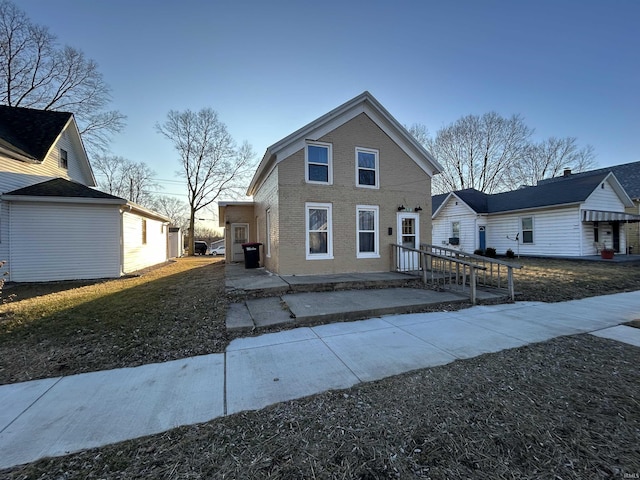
point(258, 377)
point(353, 304)
point(461, 339)
point(94, 409)
point(268, 311)
point(376, 354)
point(621, 333)
point(16, 398)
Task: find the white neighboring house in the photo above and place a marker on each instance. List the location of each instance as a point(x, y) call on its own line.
point(575, 217)
point(53, 225)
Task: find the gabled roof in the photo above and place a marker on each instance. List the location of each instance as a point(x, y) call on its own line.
point(27, 134)
point(573, 190)
point(60, 187)
point(67, 191)
point(363, 103)
point(475, 199)
point(628, 174)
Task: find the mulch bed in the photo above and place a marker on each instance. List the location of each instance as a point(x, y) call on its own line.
point(563, 409)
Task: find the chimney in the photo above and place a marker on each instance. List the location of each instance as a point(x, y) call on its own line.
point(567, 172)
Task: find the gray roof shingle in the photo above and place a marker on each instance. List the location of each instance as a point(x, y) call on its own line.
point(574, 189)
point(29, 132)
point(60, 187)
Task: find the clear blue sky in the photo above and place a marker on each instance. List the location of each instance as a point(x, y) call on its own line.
point(570, 68)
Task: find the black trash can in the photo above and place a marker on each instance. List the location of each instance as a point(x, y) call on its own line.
point(251, 254)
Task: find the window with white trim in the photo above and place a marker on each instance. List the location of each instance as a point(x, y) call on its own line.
point(268, 228)
point(526, 224)
point(318, 163)
point(64, 161)
point(455, 229)
point(319, 235)
point(367, 168)
point(367, 239)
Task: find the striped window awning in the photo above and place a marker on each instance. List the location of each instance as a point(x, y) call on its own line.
point(606, 216)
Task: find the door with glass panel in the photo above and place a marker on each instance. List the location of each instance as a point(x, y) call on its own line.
point(240, 235)
point(408, 236)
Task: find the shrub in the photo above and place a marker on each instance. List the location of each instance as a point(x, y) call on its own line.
point(490, 252)
point(510, 254)
point(478, 251)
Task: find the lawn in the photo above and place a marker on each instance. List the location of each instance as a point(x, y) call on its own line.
point(567, 408)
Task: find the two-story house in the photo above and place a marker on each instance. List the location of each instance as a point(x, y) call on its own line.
point(53, 224)
point(334, 195)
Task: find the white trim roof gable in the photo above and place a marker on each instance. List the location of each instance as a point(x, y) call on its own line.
point(445, 203)
point(363, 103)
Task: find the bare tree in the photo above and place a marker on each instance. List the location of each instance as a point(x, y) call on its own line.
point(36, 73)
point(173, 208)
point(477, 152)
point(127, 179)
point(548, 159)
point(211, 162)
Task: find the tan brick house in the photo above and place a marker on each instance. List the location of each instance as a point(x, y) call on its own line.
point(335, 194)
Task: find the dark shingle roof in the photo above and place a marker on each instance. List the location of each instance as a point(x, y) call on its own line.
point(628, 175)
point(574, 189)
point(60, 187)
point(30, 132)
point(472, 197)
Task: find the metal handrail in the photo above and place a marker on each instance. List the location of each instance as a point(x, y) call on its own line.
point(449, 267)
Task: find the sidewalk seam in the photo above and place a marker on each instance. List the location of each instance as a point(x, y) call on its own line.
point(31, 404)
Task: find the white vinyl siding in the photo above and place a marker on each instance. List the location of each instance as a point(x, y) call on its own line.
point(367, 231)
point(557, 232)
point(443, 226)
point(142, 251)
point(63, 242)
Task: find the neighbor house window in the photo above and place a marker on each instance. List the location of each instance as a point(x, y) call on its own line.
point(144, 231)
point(268, 231)
point(527, 229)
point(367, 231)
point(318, 163)
point(64, 162)
point(319, 242)
point(455, 229)
point(366, 168)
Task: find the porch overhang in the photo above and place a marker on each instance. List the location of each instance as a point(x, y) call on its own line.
point(608, 216)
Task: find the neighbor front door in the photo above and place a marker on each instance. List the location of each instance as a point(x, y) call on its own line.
point(408, 236)
point(240, 235)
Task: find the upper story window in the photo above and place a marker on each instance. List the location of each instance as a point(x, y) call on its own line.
point(527, 229)
point(64, 162)
point(318, 163)
point(455, 229)
point(367, 170)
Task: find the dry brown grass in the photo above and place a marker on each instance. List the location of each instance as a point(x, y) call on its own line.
point(173, 311)
point(564, 409)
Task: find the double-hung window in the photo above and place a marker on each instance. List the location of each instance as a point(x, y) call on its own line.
point(527, 229)
point(319, 241)
point(64, 161)
point(367, 231)
point(367, 168)
point(318, 163)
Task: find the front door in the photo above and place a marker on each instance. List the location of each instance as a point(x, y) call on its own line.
point(482, 237)
point(408, 236)
point(239, 235)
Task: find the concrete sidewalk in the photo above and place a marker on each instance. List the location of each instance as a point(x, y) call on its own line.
point(61, 415)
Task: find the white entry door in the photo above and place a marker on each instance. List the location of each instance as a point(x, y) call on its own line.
point(240, 235)
point(408, 236)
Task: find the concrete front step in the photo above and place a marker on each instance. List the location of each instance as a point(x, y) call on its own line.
point(258, 283)
point(334, 306)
